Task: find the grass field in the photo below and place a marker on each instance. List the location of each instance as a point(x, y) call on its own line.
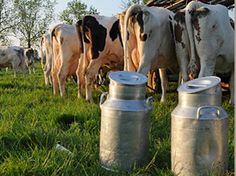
point(33, 121)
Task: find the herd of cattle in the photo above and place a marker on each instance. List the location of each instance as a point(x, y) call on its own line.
point(196, 41)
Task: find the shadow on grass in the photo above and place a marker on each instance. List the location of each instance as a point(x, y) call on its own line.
point(65, 120)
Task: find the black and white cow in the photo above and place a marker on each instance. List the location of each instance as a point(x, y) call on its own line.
point(204, 38)
point(12, 56)
point(102, 45)
point(148, 42)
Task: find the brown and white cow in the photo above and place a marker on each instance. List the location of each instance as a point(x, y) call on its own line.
point(45, 55)
point(29, 59)
point(148, 42)
point(102, 46)
point(12, 56)
point(205, 41)
point(67, 48)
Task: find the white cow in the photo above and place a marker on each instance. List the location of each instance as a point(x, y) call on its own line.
point(148, 42)
point(205, 41)
point(67, 48)
point(45, 55)
point(12, 56)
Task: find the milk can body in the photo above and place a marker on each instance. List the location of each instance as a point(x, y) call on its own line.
point(199, 128)
point(124, 122)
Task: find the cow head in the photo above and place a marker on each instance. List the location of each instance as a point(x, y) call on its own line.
point(29, 56)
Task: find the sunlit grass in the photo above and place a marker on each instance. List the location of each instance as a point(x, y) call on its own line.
point(33, 121)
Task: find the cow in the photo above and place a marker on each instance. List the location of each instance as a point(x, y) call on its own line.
point(102, 45)
point(205, 41)
point(67, 48)
point(12, 56)
point(45, 55)
point(29, 59)
point(148, 42)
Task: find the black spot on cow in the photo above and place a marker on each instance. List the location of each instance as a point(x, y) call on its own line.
point(178, 29)
point(171, 29)
point(170, 17)
point(29, 53)
point(98, 34)
point(143, 37)
point(180, 17)
point(115, 32)
point(195, 16)
point(178, 34)
point(139, 17)
point(202, 12)
point(231, 22)
point(140, 20)
point(79, 32)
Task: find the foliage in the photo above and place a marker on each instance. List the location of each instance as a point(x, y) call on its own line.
point(127, 3)
point(33, 121)
point(34, 17)
point(75, 11)
point(7, 20)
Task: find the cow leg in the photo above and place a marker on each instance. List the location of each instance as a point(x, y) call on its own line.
point(183, 63)
point(80, 72)
point(55, 82)
point(15, 68)
point(92, 69)
point(33, 68)
point(164, 82)
point(231, 101)
point(80, 79)
point(150, 73)
point(47, 72)
point(62, 79)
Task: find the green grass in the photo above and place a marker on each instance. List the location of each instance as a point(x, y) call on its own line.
point(33, 121)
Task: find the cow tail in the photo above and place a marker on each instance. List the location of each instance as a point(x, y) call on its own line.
point(78, 27)
point(193, 63)
point(53, 35)
point(131, 11)
point(41, 51)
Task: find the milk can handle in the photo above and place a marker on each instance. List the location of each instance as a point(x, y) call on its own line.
point(149, 102)
point(204, 107)
point(102, 97)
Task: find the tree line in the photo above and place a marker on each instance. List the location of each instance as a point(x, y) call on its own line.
point(27, 20)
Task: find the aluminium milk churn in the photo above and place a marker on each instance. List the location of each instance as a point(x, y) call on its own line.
point(124, 122)
point(199, 128)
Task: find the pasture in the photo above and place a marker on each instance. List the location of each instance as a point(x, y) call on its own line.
point(33, 121)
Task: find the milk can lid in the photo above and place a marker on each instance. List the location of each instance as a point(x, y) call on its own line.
point(199, 84)
point(128, 78)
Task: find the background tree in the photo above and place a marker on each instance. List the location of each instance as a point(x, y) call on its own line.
point(7, 20)
point(75, 11)
point(127, 3)
point(34, 17)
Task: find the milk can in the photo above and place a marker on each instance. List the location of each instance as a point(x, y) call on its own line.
point(199, 128)
point(124, 122)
